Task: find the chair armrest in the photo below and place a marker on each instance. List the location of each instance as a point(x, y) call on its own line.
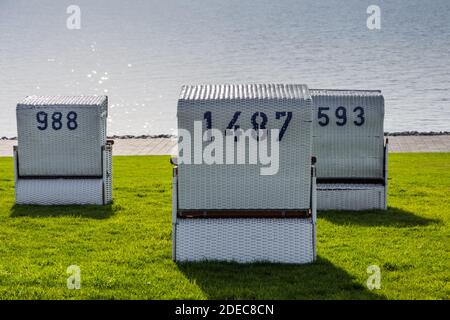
point(386, 155)
point(16, 163)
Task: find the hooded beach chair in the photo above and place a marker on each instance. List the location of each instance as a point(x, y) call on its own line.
point(230, 211)
point(348, 141)
point(63, 157)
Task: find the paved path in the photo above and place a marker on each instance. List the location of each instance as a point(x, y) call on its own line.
point(419, 143)
point(6, 148)
point(160, 146)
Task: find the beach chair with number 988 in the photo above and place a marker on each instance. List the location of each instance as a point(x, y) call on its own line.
point(63, 157)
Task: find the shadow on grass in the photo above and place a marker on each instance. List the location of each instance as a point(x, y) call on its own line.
point(88, 211)
point(318, 280)
point(394, 217)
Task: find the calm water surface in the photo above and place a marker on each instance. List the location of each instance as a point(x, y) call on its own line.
point(139, 53)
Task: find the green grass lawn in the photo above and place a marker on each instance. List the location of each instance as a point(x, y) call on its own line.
point(124, 250)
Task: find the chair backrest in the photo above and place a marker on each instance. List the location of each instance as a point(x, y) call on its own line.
point(348, 138)
point(61, 136)
point(241, 186)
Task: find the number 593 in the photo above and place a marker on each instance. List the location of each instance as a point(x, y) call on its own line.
point(341, 116)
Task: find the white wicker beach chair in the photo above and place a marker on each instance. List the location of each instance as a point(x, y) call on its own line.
point(63, 157)
point(348, 142)
point(230, 212)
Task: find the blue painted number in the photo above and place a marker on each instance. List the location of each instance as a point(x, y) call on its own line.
point(57, 117)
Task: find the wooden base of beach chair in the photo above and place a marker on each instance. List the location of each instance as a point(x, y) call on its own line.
point(266, 213)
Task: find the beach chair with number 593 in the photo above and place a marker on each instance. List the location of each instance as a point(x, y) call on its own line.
point(352, 156)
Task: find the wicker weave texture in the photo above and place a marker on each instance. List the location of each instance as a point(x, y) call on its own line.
point(350, 197)
point(61, 152)
point(59, 191)
point(348, 150)
point(243, 91)
point(241, 186)
point(31, 101)
point(244, 240)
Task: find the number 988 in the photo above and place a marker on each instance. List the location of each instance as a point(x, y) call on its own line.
point(42, 119)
